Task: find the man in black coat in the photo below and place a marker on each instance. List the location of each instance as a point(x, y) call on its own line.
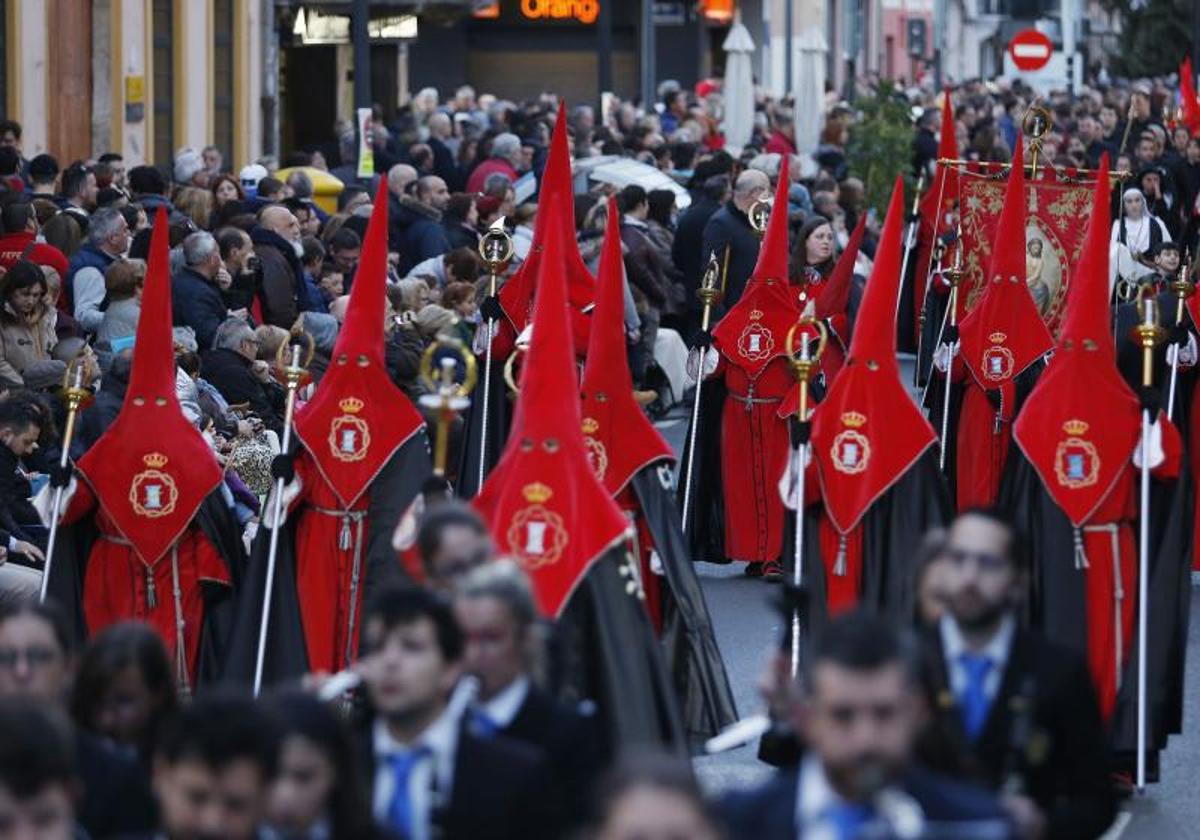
point(1011, 710)
point(430, 774)
point(196, 301)
point(233, 369)
point(416, 223)
point(859, 721)
point(728, 230)
point(687, 251)
point(495, 608)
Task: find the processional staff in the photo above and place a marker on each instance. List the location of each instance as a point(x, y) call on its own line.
point(293, 373)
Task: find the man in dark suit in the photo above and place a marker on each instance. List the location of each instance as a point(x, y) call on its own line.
point(432, 776)
point(729, 229)
point(859, 720)
point(496, 610)
point(1011, 710)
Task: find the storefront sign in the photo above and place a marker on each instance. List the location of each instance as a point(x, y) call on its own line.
point(583, 11)
point(314, 27)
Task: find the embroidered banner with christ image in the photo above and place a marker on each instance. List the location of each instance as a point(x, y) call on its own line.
point(1056, 224)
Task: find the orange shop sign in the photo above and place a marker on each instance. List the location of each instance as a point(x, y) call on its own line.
point(584, 11)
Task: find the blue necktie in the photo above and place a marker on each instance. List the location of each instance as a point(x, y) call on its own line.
point(400, 809)
point(483, 724)
point(973, 702)
point(848, 819)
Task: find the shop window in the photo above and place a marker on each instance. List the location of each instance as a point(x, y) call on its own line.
point(223, 78)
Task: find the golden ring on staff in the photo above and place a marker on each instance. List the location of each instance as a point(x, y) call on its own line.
point(496, 248)
point(804, 364)
point(1127, 290)
point(447, 394)
point(1035, 125)
point(295, 366)
point(1183, 287)
point(509, 369)
point(758, 215)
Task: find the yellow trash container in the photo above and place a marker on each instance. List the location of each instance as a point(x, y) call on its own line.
point(326, 188)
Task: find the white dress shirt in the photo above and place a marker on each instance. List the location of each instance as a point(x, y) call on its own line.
point(997, 650)
point(431, 781)
point(502, 709)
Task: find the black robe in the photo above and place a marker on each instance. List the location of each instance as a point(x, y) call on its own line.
point(499, 414)
point(688, 640)
point(705, 537)
point(219, 523)
point(892, 530)
point(1058, 605)
point(392, 491)
point(614, 660)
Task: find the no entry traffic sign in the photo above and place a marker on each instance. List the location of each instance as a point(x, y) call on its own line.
point(1030, 50)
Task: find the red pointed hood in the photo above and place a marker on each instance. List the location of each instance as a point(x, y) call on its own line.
point(1081, 423)
point(1004, 334)
point(868, 430)
point(556, 208)
point(152, 469)
point(620, 438)
point(1187, 96)
point(358, 418)
point(754, 331)
point(834, 296)
point(542, 502)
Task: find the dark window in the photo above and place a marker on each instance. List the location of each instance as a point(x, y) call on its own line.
point(223, 78)
point(4, 58)
point(164, 82)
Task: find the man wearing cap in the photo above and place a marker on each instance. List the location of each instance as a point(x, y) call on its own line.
point(189, 168)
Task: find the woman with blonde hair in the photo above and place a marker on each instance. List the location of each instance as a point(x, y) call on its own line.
point(123, 281)
point(196, 204)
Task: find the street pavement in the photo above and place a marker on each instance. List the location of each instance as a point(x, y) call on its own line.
point(747, 627)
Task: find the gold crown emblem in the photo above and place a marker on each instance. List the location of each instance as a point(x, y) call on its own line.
point(536, 492)
point(590, 425)
point(351, 405)
point(155, 460)
point(997, 338)
point(1075, 427)
point(755, 314)
point(854, 420)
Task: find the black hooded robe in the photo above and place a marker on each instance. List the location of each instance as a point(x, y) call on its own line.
point(1058, 606)
point(391, 492)
point(687, 639)
point(705, 537)
point(499, 413)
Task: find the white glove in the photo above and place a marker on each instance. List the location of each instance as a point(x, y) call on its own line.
point(1154, 447)
point(693, 363)
point(656, 563)
point(942, 357)
point(291, 492)
point(43, 501)
point(248, 535)
point(789, 483)
point(1186, 354)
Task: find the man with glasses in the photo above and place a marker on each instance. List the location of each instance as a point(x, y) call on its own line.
point(234, 369)
point(1011, 710)
point(37, 665)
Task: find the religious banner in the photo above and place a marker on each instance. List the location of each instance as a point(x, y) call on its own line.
point(1057, 211)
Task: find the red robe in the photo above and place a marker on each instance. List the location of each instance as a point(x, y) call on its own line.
point(326, 546)
point(841, 555)
point(754, 453)
point(1110, 544)
point(981, 439)
point(119, 586)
